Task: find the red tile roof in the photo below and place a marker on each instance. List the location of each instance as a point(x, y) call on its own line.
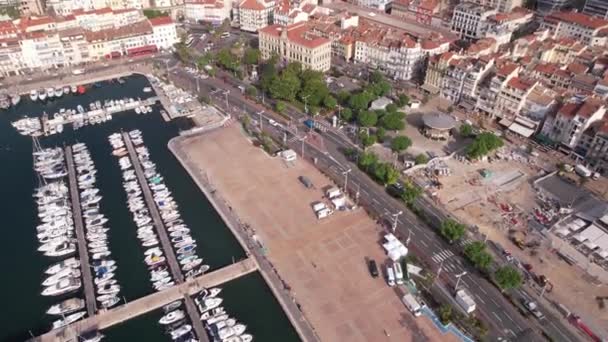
point(577, 68)
point(159, 21)
point(297, 34)
point(577, 18)
point(520, 84)
point(506, 68)
point(251, 5)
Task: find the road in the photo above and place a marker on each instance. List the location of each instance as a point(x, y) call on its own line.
point(505, 321)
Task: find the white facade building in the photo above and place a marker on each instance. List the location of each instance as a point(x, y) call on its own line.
point(255, 14)
point(207, 10)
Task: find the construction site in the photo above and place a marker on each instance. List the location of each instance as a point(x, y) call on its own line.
point(516, 200)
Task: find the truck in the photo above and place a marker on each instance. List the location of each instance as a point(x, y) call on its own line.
point(411, 304)
point(465, 300)
point(582, 171)
point(333, 192)
point(309, 123)
point(533, 308)
point(318, 206)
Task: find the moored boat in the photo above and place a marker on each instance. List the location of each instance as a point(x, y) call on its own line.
point(172, 317)
point(66, 307)
point(68, 319)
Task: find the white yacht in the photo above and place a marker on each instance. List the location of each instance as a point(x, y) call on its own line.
point(57, 277)
point(66, 307)
point(208, 304)
point(236, 330)
point(69, 262)
point(181, 331)
point(172, 317)
point(63, 286)
point(68, 319)
point(61, 250)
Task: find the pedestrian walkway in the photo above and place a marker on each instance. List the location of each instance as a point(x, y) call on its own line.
point(464, 242)
point(445, 328)
point(443, 255)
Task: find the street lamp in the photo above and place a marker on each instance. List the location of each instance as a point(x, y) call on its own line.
point(226, 92)
point(395, 220)
point(459, 276)
point(345, 173)
point(260, 113)
point(306, 103)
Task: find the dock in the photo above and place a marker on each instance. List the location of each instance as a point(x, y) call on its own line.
point(87, 277)
point(140, 306)
point(164, 238)
point(49, 125)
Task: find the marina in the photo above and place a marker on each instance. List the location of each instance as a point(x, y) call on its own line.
point(218, 245)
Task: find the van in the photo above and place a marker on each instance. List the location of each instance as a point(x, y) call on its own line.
point(77, 71)
point(398, 272)
point(306, 182)
point(390, 274)
point(225, 35)
point(411, 304)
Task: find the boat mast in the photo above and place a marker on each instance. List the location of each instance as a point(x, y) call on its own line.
point(36, 147)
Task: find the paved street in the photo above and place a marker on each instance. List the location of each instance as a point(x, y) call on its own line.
point(504, 319)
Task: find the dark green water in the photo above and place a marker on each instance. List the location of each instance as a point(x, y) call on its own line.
point(248, 299)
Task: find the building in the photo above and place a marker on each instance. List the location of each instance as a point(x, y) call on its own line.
point(572, 119)
point(214, 11)
point(253, 15)
point(296, 43)
point(547, 6)
point(436, 69)
point(422, 10)
point(470, 21)
point(164, 32)
point(504, 6)
point(31, 7)
point(582, 27)
point(598, 8)
point(381, 5)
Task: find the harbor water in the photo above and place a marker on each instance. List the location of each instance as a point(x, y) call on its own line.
point(248, 299)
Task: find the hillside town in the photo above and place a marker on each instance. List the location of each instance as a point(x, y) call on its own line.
point(423, 170)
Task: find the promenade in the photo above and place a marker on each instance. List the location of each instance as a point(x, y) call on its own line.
point(140, 306)
point(87, 277)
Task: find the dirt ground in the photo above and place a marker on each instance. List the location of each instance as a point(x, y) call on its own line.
point(322, 261)
point(497, 209)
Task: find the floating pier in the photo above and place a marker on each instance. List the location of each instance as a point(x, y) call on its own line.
point(87, 277)
point(140, 306)
point(164, 238)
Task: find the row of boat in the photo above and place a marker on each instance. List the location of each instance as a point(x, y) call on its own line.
point(56, 235)
point(6, 101)
point(107, 288)
point(97, 112)
point(220, 326)
point(57, 92)
point(159, 274)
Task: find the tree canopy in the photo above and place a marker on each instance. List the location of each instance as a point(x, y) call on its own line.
point(251, 57)
point(484, 143)
point(227, 60)
point(400, 143)
point(393, 121)
point(466, 130)
point(367, 118)
point(367, 140)
point(410, 193)
point(452, 230)
point(476, 253)
point(507, 277)
point(421, 159)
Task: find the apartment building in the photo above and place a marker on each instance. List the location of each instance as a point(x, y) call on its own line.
point(572, 119)
point(470, 20)
point(491, 86)
point(545, 7)
point(31, 7)
point(589, 30)
point(512, 97)
point(288, 12)
point(597, 152)
point(253, 15)
point(215, 11)
point(501, 5)
point(296, 43)
point(381, 5)
point(52, 42)
point(435, 72)
point(422, 10)
point(598, 8)
point(462, 78)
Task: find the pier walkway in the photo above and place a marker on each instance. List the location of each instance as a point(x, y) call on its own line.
point(122, 313)
point(87, 277)
point(164, 238)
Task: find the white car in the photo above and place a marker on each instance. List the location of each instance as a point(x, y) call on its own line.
point(372, 14)
point(273, 123)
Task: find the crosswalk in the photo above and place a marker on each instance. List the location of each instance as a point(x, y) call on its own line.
point(464, 242)
point(443, 255)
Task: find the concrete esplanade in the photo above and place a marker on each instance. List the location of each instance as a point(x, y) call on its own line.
point(105, 319)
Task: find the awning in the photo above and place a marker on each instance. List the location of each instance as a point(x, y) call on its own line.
point(579, 237)
point(590, 245)
point(603, 254)
point(562, 232)
point(505, 122)
point(430, 88)
point(521, 130)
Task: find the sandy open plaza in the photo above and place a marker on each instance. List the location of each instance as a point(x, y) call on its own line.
point(321, 261)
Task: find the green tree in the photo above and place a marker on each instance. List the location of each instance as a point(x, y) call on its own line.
point(251, 91)
point(150, 13)
point(343, 97)
point(204, 60)
point(452, 230)
point(391, 108)
point(227, 60)
point(251, 57)
point(484, 143)
point(268, 73)
point(367, 160)
point(445, 313)
point(293, 68)
point(280, 106)
point(421, 159)
point(367, 140)
point(183, 52)
point(393, 121)
point(410, 193)
point(346, 114)
point(507, 278)
point(360, 101)
point(400, 143)
point(391, 176)
point(285, 87)
point(466, 130)
point(376, 77)
point(381, 134)
point(403, 101)
point(330, 102)
point(476, 253)
point(314, 90)
point(367, 118)
point(379, 171)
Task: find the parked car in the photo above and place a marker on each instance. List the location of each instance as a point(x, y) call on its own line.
point(373, 268)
